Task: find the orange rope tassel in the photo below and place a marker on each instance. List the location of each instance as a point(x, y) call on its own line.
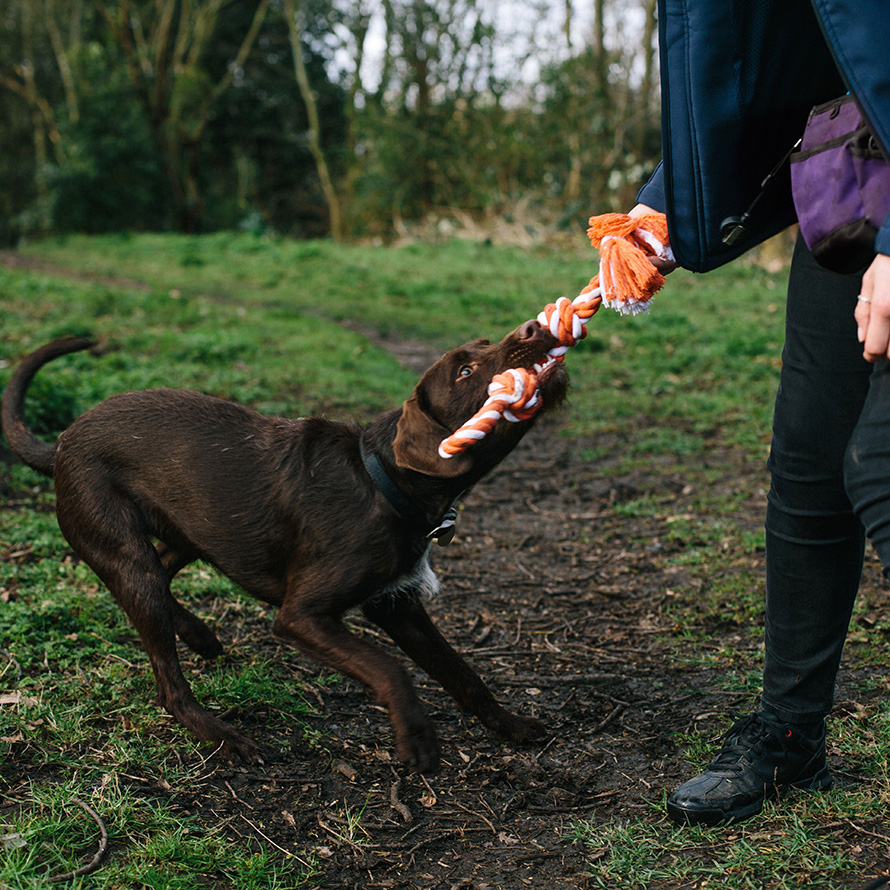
point(627, 277)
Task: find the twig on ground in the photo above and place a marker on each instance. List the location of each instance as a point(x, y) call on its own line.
point(257, 829)
point(476, 813)
point(235, 796)
point(96, 861)
point(615, 712)
point(12, 660)
point(397, 804)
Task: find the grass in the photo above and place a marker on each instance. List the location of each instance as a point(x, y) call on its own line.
point(164, 849)
point(261, 320)
point(748, 857)
point(712, 337)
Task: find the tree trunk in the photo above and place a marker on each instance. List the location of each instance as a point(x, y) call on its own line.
point(647, 86)
point(61, 53)
point(315, 147)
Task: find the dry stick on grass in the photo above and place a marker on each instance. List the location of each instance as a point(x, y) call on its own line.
point(13, 662)
point(96, 861)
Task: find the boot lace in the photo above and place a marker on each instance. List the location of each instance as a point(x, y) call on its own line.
point(746, 735)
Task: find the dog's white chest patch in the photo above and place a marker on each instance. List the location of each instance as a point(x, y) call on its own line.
point(421, 579)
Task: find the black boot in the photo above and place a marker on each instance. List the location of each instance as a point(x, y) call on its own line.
point(760, 757)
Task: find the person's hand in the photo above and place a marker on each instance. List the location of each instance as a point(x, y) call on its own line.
point(663, 266)
point(873, 310)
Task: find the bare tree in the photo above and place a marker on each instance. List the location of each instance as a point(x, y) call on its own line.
point(36, 22)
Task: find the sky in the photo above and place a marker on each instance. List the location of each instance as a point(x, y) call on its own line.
point(530, 30)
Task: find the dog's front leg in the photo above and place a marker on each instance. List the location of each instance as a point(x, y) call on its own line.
point(406, 620)
point(326, 638)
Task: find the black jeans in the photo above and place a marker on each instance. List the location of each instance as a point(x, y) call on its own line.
point(830, 468)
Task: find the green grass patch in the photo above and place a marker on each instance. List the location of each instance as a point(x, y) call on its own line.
point(804, 840)
point(790, 854)
point(706, 356)
point(162, 849)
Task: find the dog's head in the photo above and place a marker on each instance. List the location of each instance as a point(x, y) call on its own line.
point(454, 389)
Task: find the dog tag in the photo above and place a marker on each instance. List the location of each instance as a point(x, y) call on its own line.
point(444, 533)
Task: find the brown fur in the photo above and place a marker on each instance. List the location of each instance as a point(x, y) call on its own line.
point(287, 510)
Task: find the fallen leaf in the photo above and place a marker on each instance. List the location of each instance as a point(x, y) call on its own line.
point(12, 841)
point(345, 770)
point(16, 698)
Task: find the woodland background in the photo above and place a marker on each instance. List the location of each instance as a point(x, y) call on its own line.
point(342, 118)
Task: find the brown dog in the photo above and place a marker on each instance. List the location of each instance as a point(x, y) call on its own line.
point(310, 515)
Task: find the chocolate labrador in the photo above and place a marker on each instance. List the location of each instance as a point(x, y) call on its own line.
point(311, 515)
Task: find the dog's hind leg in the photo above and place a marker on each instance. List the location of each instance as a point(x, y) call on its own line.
point(113, 543)
point(194, 632)
point(189, 627)
point(405, 619)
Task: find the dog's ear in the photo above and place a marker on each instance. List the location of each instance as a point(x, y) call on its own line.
point(416, 444)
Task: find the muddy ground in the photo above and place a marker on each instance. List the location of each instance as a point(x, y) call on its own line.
point(559, 603)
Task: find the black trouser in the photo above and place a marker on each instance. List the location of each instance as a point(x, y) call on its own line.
point(830, 466)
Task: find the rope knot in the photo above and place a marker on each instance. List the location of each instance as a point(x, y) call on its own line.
point(567, 319)
point(512, 395)
point(517, 388)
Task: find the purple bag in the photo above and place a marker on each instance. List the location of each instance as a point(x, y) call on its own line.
point(840, 181)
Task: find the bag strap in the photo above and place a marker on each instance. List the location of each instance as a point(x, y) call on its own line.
point(734, 227)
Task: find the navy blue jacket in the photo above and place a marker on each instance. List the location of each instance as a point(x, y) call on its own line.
point(739, 78)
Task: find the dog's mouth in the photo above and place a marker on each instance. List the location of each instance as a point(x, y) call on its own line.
point(533, 352)
point(553, 382)
point(547, 368)
point(542, 363)
point(551, 379)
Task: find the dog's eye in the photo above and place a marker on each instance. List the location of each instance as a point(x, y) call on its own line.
point(465, 371)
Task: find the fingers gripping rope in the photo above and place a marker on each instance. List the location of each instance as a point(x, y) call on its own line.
point(627, 281)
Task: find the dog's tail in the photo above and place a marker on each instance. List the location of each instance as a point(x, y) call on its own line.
point(34, 452)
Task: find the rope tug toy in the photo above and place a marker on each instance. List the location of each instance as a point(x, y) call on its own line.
point(626, 282)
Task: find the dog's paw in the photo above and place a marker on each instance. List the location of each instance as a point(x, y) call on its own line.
point(243, 750)
point(513, 728)
point(418, 748)
point(228, 743)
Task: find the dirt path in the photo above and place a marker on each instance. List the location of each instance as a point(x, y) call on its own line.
point(559, 603)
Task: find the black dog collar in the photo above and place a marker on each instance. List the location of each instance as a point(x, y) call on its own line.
point(402, 504)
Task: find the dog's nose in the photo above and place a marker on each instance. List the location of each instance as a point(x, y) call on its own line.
point(529, 330)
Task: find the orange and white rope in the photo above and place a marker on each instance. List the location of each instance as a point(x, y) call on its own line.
point(627, 281)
